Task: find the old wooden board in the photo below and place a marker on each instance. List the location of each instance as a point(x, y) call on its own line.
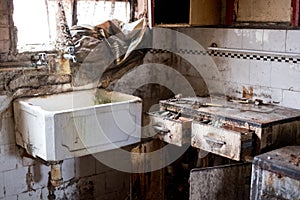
point(205, 12)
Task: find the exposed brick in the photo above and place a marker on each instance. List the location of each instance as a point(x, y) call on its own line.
point(3, 6)
point(4, 46)
point(4, 33)
point(3, 20)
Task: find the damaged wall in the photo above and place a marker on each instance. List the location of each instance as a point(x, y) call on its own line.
point(20, 176)
point(274, 79)
point(5, 29)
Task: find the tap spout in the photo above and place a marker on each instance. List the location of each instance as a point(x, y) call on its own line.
point(70, 57)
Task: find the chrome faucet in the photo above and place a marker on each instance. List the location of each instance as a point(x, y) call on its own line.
point(39, 59)
point(70, 54)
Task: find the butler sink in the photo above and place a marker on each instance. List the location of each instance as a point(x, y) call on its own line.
point(77, 123)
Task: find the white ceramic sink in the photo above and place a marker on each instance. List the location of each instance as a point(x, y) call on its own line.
point(77, 123)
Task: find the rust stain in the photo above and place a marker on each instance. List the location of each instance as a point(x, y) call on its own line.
point(248, 93)
point(295, 159)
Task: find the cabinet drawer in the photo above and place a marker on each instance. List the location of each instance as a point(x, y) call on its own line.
point(227, 141)
point(175, 130)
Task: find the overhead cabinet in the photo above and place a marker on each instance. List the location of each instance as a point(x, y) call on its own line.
point(183, 12)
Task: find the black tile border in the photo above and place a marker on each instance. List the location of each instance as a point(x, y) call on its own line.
point(245, 56)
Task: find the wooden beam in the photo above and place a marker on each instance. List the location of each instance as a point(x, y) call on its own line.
point(295, 14)
point(229, 12)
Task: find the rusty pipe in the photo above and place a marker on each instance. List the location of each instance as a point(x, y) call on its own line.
point(56, 178)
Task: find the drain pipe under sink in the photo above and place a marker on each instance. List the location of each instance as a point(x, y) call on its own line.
point(56, 178)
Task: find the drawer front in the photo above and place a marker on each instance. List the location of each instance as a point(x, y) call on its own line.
point(177, 132)
point(224, 142)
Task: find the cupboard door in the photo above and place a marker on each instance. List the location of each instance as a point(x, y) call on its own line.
point(221, 182)
point(205, 12)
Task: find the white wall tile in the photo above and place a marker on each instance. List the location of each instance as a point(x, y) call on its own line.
point(223, 68)
point(68, 169)
point(1, 185)
point(205, 36)
point(15, 181)
point(40, 175)
point(234, 89)
point(252, 39)
point(240, 70)
point(291, 99)
point(260, 73)
point(8, 159)
point(164, 38)
point(274, 40)
point(233, 38)
point(277, 96)
point(293, 41)
point(13, 197)
point(285, 76)
point(263, 93)
point(30, 195)
point(7, 133)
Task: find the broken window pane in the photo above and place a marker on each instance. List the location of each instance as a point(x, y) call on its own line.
point(93, 12)
point(36, 24)
point(36, 19)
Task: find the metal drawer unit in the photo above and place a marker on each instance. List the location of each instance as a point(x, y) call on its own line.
point(276, 175)
point(244, 128)
point(228, 141)
point(171, 128)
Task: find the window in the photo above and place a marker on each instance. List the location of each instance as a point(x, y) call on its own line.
point(36, 24)
point(36, 19)
point(95, 12)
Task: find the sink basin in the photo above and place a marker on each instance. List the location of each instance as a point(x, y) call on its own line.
point(71, 124)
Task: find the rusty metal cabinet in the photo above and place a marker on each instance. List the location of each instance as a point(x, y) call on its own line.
point(228, 141)
point(276, 175)
point(230, 182)
point(174, 131)
point(236, 130)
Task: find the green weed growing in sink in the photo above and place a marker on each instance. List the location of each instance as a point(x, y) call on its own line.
point(102, 98)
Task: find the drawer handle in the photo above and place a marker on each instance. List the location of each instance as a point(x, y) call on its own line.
point(160, 129)
point(210, 140)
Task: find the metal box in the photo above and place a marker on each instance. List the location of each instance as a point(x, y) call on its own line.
point(235, 130)
point(169, 128)
point(230, 182)
point(228, 141)
point(276, 175)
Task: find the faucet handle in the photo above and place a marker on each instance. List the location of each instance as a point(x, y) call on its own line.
point(39, 59)
point(70, 50)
